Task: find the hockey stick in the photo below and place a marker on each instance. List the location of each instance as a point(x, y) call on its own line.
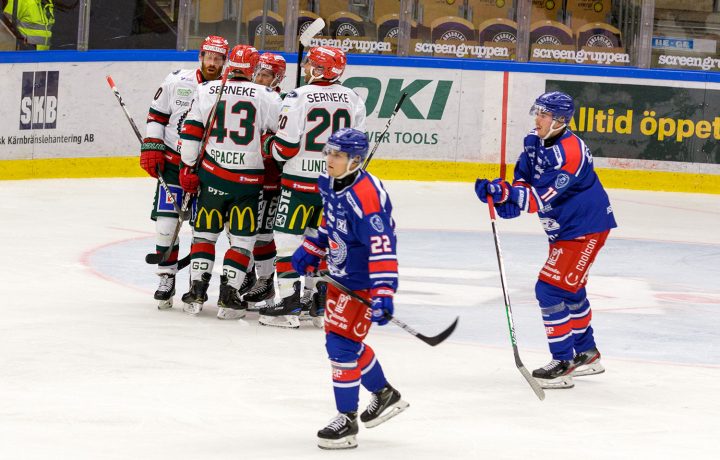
point(387, 126)
point(163, 184)
point(155, 258)
point(312, 30)
point(508, 309)
point(432, 341)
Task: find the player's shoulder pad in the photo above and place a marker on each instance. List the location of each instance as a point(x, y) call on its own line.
point(367, 195)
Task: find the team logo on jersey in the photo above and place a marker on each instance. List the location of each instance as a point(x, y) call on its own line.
point(291, 94)
point(39, 100)
point(338, 250)
point(341, 225)
point(561, 181)
point(377, 223)
point(549, 225)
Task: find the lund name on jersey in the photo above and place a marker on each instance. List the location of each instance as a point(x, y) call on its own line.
point(328, 97)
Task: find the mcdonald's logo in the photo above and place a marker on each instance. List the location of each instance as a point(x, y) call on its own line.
point(208, 214)
point(307, 212)
point(241, 217)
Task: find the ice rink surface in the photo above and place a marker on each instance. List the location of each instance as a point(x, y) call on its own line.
point(90, 369)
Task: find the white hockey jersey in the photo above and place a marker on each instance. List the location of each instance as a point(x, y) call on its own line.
point(169, 106)
point(309, 115)
point(245, 111)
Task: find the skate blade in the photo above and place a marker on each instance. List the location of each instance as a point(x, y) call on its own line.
point(192, 309)
point(288, 321)
point(560, 383)
point(165, 304)
point(230, 313)
point(256, 306)
point(348, 442)
point(389, 413)
point(319, 322)
point(588, 369)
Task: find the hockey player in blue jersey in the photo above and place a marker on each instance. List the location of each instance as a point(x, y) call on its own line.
point(554, 177)
point(357, 235)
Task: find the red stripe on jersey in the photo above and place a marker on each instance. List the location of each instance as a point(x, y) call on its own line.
point(284, 150)
point(158, 118)
point(367, 195)
point(573, 154)
point(203, 247)
point(582, 323)
point(193, 131)
point(284, 267)
point(558, 330)
point(266, 250)
point(237, 257)
point(383, 266)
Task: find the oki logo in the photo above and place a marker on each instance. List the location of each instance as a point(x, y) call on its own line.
point(39, 100)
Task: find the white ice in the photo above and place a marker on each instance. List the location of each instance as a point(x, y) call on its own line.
point(90, 369)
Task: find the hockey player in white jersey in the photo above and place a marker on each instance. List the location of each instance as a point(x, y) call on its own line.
point(308, 116)
point(159, 152)
point(229, 175)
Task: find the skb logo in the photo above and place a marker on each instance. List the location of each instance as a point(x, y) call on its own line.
point(39, 100)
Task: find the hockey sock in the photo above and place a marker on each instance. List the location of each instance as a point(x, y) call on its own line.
point(264, 254)
point(164, 227)
point(346, 385)
point(235, 266)
point(202, 255)
point(373, 378)
point(556, 317)
point(581, 315)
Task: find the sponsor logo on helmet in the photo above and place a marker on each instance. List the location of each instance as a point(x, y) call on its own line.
point(214, 49)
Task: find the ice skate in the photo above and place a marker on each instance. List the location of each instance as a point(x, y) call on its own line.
point(248, 282)
point(263, 292)
point(555, 375)
point(285, 313)
point(587, 363)
point(306, 302)
point(317, 310)
point(197, 296)
point(384, 405)
point(165, 291)
point(340, 433)
point(229, 304)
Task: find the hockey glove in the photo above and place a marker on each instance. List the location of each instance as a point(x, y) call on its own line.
point(152, 155)
point(189, 180)
point(382, 305)
point(266, 144)
point(307, 257)
point(508, 210)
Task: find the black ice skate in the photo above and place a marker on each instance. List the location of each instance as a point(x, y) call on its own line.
point(229, 304)
point(285, 313)
point(587, 363)
point(556, 375)
point(341, 432)
point(262, 291)
point(197, 296)
point(317, 309)
point(306, 302)
point(384, 405)
point(165, 291)
point(247, 283)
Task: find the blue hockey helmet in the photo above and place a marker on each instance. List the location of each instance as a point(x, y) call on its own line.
point(559, 104)
point(348, 140)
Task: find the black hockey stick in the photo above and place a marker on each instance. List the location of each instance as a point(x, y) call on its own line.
point(508, 309)
point(387, 126)
point(155, 258)
point(163, 184)
point(312, 30)
point(432, 341)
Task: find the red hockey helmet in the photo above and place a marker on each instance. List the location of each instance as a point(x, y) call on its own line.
point(275, 64)
point(215, 44)
point(329, 61)
point(244, 59)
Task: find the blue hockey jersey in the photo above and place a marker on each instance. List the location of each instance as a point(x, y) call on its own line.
point(359, 232)
point(563, 188)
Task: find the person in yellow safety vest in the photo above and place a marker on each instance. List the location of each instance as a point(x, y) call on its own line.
point(35, 19)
